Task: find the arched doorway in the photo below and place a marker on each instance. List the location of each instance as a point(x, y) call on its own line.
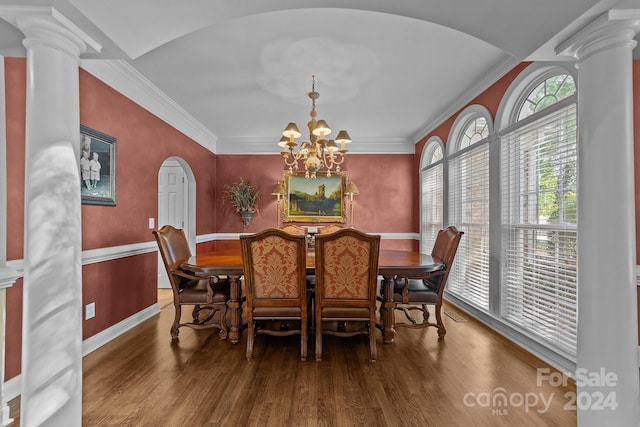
point(176, 204)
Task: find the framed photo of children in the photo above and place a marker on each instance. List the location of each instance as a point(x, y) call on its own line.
point(97, 167)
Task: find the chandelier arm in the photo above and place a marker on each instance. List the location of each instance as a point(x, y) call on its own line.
point(338, 162)
point(335, 159)
point(293, 160)
point(327, 161)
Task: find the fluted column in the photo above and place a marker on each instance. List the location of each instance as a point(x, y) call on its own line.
point(52, 310)
point(607, 308)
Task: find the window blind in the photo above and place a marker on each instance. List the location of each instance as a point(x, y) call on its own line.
point(469, 212)
point(539, 228)
point(432, 193)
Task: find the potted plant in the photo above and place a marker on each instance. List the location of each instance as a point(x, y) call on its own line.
point(244, 197)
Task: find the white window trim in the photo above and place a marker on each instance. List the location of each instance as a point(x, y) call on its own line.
point(425, 165)
point(464, 119)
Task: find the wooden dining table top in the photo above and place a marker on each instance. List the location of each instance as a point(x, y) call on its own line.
point(390, 261)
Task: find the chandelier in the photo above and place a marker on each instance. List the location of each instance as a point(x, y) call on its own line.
point(317, 153)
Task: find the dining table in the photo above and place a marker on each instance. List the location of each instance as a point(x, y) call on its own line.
point(392, 263)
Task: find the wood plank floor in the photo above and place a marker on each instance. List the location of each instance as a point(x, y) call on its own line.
point(142, 378)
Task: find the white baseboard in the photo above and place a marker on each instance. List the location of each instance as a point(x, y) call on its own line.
point(12, 388)
point(101, 338)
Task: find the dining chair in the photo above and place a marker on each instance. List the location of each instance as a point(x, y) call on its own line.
point(413, 294)
point(207, 294)
point(332, 228)
point(274, 264)
point(294, 229)
point(346, 279)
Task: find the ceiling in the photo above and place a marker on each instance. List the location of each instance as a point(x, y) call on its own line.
point(387, 71)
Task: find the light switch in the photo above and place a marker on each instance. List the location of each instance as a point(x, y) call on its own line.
point(152, 223)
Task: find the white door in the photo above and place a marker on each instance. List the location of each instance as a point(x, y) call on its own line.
point(171, 205)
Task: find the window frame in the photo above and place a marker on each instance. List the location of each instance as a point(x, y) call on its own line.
point(427, 165)
point(471, 289)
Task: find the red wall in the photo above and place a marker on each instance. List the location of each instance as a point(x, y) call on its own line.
point(15, 89)
point(144, 143)
point(385, 183)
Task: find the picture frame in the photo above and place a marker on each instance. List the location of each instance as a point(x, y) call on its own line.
point(97, 181)
point(314, 200)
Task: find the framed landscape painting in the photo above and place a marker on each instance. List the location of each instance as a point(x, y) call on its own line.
point(314, 200)
point(97, 167)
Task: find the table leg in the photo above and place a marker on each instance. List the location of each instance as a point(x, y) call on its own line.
point(386, 311)
point(235, 307)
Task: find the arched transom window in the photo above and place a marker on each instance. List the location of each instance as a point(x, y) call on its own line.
point(476, 131)
point(547, 93)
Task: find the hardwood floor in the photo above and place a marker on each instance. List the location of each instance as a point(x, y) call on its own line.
point(142, 378)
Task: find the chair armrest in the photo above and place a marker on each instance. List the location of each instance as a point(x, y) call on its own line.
point(211, 281)
point(404, 292)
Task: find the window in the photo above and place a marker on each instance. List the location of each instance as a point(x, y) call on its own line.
point(468, 192)
point(432, 185)
point(547, 93)
point(538, 163)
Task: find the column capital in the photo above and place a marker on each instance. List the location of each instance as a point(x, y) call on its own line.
point(614, 28)
point(44, 25)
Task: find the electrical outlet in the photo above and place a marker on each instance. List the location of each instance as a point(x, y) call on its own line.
point(90, 311)
point(152, 223)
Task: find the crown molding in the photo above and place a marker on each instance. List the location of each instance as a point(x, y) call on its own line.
point(125, 79)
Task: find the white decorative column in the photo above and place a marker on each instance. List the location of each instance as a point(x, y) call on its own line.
point(52, 310)
point(8, 277)
point(607, 309)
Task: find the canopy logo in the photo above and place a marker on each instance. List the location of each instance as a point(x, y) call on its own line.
point(601, 398)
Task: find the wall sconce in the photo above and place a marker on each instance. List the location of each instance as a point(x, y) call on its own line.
point(279, 191)
point(351, 191)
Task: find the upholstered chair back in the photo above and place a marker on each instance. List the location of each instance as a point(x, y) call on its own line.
point(347, 268)
point(275, 268)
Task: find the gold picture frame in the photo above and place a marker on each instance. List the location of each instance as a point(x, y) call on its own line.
point(314, 200)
